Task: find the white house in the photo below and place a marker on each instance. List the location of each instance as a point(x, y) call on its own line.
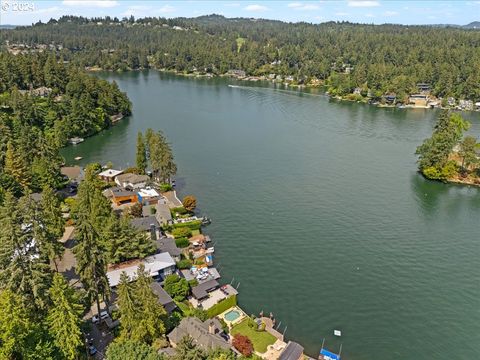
point(132, 181)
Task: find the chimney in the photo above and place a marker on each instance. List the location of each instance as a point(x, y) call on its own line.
point(211, 328)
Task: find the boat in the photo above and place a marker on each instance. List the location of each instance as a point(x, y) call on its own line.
point(329, 355)
point(206, 221)
point(76, 140)
point(233, 86)
point(78, 158)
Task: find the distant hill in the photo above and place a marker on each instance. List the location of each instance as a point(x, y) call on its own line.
point(472, 25)
point(8, 26)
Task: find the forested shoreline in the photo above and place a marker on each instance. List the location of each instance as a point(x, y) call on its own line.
point(373, 59)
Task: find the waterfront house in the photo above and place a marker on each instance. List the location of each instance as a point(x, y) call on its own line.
point(167, 245)
point(148, 224)
point(158, 266)
point(357, 91)
point(451, 101)
point(148, 196)
point(465, 105)
point(163, 297)
point(390, 98)
point(477, 106)
point(109, 174)
point(237, 73)
point(293, 351)
point(131, 181)
point(206, 335)
point(163, 213)
point(120, 196)
point(418, 100)
point(201, 291)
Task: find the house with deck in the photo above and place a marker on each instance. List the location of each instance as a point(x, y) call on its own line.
point(132, 181)
point(109, 174)
point(158, 266)
point(207, 334)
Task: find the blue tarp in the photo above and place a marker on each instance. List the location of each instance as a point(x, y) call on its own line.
point(329, 354)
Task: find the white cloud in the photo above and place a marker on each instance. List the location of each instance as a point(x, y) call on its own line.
point(166, 9)
point(361, 3)
point(255, 7)
point(301, 6)
point(390, 13)
point(342, 14)
point(90, 3)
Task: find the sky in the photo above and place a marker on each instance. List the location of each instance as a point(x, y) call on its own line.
point(26, 12)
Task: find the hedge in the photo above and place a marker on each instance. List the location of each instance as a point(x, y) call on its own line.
point(182, 243)
point(184, 264)
point(181, 233)
point(223, 305)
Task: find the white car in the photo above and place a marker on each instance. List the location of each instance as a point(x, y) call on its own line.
point(103, 316)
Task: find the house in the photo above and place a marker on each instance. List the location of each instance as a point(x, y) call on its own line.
point(120, 196)
point(390, 98)
point(418, 100)
point(237, 73)
point(158, 266)
point(465, 105)
point(109, 174)
point(204, 334)
point(357, 91)
point(163, 297)
point(477, 106)
point(148, 196)
point(451, 101)
point(293, 351)
point(423, 88)
point(131, 181)
point(148, 224)
point(201, 291)
point(73, 173)
point(163, 214)
point(167, 245)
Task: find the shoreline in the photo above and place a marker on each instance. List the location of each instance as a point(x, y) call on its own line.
point(263, 78)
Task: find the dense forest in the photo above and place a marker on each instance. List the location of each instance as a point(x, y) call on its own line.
point(378, 59)
point(43, 102)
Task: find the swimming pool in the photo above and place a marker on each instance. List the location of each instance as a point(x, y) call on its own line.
point(232, 315)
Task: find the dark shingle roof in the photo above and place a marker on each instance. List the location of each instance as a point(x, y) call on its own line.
point(198, 331)
point(200, 291)
point(293, 351)
point(163, 297)
point(144, 223)
point(168, 245)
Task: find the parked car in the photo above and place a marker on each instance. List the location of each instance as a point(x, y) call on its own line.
point(103, 315)
point(92, 350)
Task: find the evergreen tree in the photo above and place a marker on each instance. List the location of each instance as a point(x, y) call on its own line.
point(141, 154)
point(16, 166)
point(65, 318)
point(21, 267)
point(53, 223)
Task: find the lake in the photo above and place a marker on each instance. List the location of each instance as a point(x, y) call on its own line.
point(318, 212)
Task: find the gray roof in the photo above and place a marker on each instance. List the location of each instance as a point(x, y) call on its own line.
point(293, 351)
point(163, 214)
point(132, 178)
point(144, 223)
point(200, 291)
point(168, 245)
point(118, 191)
point(163, 297)
point(198, 331)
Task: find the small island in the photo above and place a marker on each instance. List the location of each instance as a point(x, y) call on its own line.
point(449, 156)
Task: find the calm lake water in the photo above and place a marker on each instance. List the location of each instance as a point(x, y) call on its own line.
point(318, 212)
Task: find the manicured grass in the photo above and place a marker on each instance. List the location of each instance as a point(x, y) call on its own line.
point(195, 232)
point(260, 339)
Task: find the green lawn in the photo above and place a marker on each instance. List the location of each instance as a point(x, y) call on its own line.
point(260, 339)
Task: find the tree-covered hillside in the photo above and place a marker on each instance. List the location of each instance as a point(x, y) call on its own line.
point(380, 58)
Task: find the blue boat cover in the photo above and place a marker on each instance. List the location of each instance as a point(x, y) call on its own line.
point(329, 354)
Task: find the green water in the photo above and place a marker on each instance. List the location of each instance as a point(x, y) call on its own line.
point(318, 212)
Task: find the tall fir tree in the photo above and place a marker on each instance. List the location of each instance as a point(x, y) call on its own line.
point(141, 154)
point(65, 318)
